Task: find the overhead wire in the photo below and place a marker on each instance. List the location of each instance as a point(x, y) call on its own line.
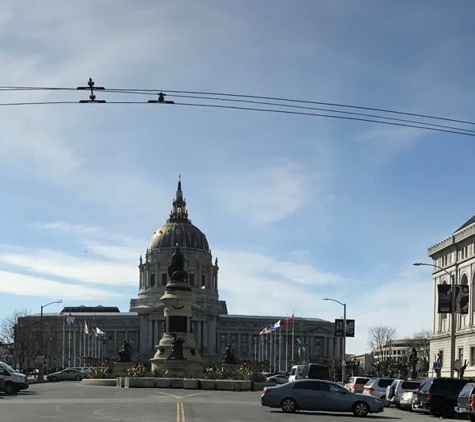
point(283, 105)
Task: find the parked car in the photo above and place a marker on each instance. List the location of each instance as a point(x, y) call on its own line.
point(313, 394)
point(396, 389)
point(66, 374)
point(278, 378)
point(83, 369)
point(356, 384)
point(439, 395)
point(13, 381)
point(466, 402)
point(408, 399)
point(376, 387)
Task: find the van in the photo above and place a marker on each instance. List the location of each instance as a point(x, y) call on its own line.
point(316, 371)
point(296, 372)
point(13, 381)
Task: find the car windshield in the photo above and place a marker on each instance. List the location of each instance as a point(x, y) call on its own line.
point(10, 368)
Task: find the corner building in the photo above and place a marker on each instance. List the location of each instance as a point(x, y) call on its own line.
point(211, 325)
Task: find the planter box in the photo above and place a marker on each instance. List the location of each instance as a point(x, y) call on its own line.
point(242, 385)
point(141, 382)
point(176, 383)
point(225, 385)
point(208, 384)
point(191, 384)
point(163, 382)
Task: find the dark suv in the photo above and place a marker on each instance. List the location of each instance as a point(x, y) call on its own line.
point(439, 395)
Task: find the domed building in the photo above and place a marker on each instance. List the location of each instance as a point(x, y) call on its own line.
point(98, 332)
point(213, 328)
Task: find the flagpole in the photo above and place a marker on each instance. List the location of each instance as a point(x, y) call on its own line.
point(271, 351)
point(293, 337)
point(64, 341)
point(280, 349)
point(69, 346)
point(74, 346)
point(286, 347)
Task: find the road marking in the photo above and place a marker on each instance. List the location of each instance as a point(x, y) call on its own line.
point(180, 412)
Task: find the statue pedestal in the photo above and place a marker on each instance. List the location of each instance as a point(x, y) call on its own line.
point(178, 368)
point(230, 368)
point(121, 367)
point(177, 353)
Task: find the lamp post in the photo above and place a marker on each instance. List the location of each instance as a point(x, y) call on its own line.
point(343, 352)
point(41, 358)
point(453, 314)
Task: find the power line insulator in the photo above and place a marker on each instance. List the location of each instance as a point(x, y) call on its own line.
point(161, 99)
point(92, 97)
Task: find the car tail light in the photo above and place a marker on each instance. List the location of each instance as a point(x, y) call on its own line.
point(369, 389)
point(354, 386)
point(266, 390)
point(429, 396)
point(470, 401)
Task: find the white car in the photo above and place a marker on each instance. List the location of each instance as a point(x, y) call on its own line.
point(407, 399)
point(397, 388)
point(278, 379)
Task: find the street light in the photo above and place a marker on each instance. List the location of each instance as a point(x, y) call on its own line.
point(453, 326)
point(343, 352)
point(41, 358)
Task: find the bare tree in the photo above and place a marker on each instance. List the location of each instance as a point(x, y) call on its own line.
point(422, 346)
point(18, 339)
point(379, 339)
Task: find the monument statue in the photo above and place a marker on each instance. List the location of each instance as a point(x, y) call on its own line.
point(229, 356)
point(176, 352)
point(176, 269)
point(125, 352)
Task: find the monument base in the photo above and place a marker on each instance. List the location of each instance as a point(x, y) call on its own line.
point(120, 368)
point(178, 368)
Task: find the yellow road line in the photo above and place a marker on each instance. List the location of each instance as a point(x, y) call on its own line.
point(180, 412)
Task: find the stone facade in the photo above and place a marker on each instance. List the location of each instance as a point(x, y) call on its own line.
point(453, 258)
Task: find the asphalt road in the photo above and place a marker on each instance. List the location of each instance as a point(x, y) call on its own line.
point(76, 402)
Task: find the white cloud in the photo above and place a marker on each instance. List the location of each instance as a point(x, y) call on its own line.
point(24, 285)
point(266, 195)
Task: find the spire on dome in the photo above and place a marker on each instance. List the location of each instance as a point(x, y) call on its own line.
point(179, 212)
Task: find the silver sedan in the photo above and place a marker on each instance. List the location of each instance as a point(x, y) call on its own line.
point(319, 395)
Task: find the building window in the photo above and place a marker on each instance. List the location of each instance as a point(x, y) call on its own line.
point(192, 279)
point(152, 280)
point(460, 354)
point(441, 358)
point(164, 279)
point(203, 281)
point(472, 356)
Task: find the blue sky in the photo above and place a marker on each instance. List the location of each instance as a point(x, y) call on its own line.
point(296, 208)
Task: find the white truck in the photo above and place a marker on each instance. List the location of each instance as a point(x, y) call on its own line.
point(296, 372)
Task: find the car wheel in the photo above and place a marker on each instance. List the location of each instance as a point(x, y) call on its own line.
point(360, 409)
point(9, 388)
point(288, 405)
point(78, 378)
point(54, 378)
